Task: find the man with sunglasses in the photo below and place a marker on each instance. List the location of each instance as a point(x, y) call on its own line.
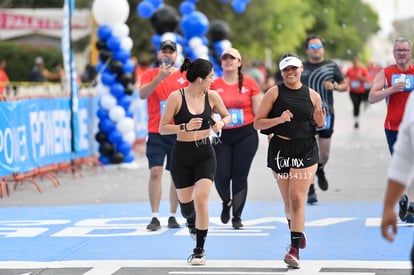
point(394, 84)
point(324, 76)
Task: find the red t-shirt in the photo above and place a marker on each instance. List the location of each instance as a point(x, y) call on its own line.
point(355, 84)
point(238, 103)
point(396, 102)
point(157, 100)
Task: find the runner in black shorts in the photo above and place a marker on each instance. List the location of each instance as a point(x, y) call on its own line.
point(290, 113)
point(193, 161)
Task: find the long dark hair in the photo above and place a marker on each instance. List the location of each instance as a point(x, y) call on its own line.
point(198, 68)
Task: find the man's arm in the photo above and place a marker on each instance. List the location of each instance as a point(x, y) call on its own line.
point(378, 92)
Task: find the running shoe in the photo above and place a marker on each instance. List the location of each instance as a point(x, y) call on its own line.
point(154, 225)
point(312, 198)
point(172, 222)
point(198, 257)
point(322, 181)
point(302, 244)
point(225, 212)
point(403, 204)
point(236, 222)
point(292, 258)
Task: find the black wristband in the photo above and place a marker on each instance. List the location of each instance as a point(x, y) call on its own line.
point(185, 127)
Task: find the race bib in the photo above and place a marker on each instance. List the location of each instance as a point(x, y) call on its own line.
point(237, 117)
point(407, 78)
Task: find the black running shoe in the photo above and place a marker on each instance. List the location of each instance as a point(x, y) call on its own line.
point(403, 204)
point(322, 181)
point(225, 212)
point(154, 225)
point(236, 222)
point(312, 198)
point(409, 218)
point(198, 257)
point(172, 222)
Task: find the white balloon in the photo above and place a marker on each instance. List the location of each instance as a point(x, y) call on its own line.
point(116, 113)
point(108, 101)
point(195, 42)
point(168, 36)
point(110, 12)
point(203, 50)
point(225, 44)
point(120, 30)
point(129, 137)
point(101, 89)
point(127, 43)
point(125, 125)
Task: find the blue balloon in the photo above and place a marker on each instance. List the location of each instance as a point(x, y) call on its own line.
point(128, 67)
point(104, 160)
point(239, 6)
point(124, 147)
point(115, 137)
point(194, 24)
point(145, 9)
point(122, 55)
point(187, 7)
point(156, 3)
point(117, 90)
point(156, 41)
point(107, 125)
point(129, 113)
point(102, 114)
point(113, 43)
point(108, 78)
point(125, 101)
point(104, 32)
point(129, 157)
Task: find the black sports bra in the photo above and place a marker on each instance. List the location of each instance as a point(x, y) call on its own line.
point(184, 115)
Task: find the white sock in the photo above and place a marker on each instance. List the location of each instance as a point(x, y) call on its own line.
point(155, 214)
point(172, 214)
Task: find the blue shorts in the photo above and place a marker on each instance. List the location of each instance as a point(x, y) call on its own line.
point(158, 147)
point(327, 133)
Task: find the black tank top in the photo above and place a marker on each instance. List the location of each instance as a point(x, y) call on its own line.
point(184, 115)
point(299, 103)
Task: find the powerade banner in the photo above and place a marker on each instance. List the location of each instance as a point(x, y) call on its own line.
point(37, 132)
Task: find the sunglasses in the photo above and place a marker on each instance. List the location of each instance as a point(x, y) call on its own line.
point(315, 46)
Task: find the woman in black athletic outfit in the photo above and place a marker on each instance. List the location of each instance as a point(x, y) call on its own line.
point(291, 112)
point(193, 161)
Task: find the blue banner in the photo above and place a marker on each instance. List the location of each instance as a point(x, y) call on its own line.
point(41, 133)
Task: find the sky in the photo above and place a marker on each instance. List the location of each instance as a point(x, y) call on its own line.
point(389, 10)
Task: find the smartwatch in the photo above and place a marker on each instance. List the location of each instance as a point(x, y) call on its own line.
point(182, 127)
point(336, 85)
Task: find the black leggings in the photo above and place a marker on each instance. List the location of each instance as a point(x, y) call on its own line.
point(357, 99)
point(235, 153)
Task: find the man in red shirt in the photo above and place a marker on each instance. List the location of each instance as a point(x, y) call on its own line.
point(356, 76)
point(394, 83)
point(156, 86)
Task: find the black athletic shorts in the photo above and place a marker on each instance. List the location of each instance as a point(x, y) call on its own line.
point(284, 154)
point(192, 161)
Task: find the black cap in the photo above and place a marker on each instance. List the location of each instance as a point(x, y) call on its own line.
point(168, 44)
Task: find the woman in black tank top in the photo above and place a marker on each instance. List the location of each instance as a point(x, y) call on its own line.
point(290, 113)
point(193, 162)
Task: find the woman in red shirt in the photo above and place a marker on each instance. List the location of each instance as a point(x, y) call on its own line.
point(239, 140)
point(357, 76)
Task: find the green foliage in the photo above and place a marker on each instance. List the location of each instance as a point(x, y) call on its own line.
point(20, 59)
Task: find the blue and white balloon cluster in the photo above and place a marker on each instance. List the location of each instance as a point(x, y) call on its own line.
point(115, 82)
point(193, 26)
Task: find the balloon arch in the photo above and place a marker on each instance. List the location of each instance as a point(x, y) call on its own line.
point(115, 69)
